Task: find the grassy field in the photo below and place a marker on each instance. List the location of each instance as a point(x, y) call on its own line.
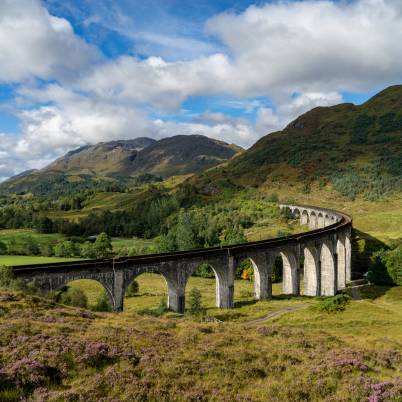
point(20, 235)
point(15, 260)
point(153, 289)
point(52, 352)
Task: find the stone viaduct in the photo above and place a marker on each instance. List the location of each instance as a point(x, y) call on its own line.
point(322, 255)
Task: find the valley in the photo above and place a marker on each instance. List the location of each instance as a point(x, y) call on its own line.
point(105, 201)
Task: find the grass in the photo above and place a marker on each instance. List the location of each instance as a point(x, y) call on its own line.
point(20, 235)
point(304, 355)
point(152, 288)
point(15, 260)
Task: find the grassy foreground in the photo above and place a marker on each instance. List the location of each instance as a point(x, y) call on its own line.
point(51, 352)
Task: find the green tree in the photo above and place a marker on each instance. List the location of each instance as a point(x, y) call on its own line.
point(185, 238)
point(65, 249)
point(73, 297)
point(31, 247)
point(167, 242)
point(46, 250)
point(393, 262)
point(103, 303)
point(103, 246)
point(132, 289)
point(377, 272)
point(87, 250)
point(195, 302)
point(234, 235)
point(3, 248)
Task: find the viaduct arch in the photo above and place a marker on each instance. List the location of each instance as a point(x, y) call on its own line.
point(325, 250)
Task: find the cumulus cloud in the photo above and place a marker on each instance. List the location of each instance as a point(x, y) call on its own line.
point(275, 50)
point(298, 54)
point(36, 44)
point(313, 45)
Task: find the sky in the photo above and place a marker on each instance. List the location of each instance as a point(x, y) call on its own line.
point(77, 72)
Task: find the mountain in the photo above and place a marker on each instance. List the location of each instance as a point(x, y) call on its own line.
point(354, 150)
point(104, 158)
point(109, 163)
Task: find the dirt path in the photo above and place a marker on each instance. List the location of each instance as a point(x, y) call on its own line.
point(276, 313)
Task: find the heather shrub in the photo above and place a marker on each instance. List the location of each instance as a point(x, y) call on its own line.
point(334, 304)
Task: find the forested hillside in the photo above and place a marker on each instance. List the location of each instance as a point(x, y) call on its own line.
point(355, 150)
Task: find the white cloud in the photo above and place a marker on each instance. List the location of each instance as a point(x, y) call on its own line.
point(34, 43)
point(299, 54)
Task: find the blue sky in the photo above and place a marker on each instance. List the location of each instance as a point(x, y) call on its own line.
point(76, 72)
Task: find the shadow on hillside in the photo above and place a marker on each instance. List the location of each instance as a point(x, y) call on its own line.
point(242, 303)
point(373, 292)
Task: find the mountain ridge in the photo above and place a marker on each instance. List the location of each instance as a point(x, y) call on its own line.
point(113, 161)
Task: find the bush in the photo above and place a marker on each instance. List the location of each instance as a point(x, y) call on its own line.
point(132, 289)
point(87, 250)
point(393, 262)
point(334, 304)
point(103, 246)
point(195, 302)
point(7, 279)
point(155, 312)
point(73, 297)
point(377, 272)
point(205, 271)
point(3, 248)
point(65, 249)
point(103, 303)
point(277, 270)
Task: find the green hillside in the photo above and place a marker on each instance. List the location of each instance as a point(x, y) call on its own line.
point(355, 150)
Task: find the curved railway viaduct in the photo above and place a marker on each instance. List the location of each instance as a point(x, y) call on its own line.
point(322, 255)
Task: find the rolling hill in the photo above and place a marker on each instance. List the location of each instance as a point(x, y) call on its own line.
point(110, 163)
point(353, 151)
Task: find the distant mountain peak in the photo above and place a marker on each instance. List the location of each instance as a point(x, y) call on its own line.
point(108, 161)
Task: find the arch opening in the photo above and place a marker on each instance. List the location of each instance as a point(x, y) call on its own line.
point(205, 279)
point(85, 293)
point(250, 285)
point(146, 293)
point(285, 273)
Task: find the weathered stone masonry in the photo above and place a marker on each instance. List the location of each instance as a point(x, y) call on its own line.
point(325, 251)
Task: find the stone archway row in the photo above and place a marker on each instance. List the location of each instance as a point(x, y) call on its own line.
point(322, 255)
